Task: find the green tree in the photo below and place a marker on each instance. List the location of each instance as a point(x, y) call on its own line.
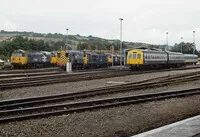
point(187, 48)
point(7, 47)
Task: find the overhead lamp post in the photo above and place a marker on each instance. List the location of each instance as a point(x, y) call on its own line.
point(181, 45)
point(67, 38)
point(112, 55)
point(121, 43)
point(193, 45)
point(166, 49)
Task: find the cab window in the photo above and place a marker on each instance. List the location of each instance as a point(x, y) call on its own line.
point(138, 56)
point(18, 54)
point(134, 55)
point(129, 56)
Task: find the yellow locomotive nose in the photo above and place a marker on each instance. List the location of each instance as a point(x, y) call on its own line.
point(16, 60)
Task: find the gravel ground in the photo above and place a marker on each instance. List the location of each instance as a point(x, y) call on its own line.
point(112, 122)
point(81, 85)
point(174, 87)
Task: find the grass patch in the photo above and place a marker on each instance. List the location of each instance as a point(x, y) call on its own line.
point(9, 35)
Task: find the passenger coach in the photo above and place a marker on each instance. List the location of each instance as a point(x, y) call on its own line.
point(146, 58)
point(140, 58)
point(190, 59)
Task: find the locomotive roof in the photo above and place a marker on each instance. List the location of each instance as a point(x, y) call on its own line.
point(46, 52)
point(31, 53)
point(73, 51)
point(190, 55)
point(150, 51)
point(175, 53)
point(158, 51)
point(92, 53)
point(19, 50)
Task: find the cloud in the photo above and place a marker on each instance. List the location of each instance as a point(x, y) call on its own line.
point(144, 21)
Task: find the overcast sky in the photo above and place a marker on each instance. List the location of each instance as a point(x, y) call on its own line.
point(144, 20)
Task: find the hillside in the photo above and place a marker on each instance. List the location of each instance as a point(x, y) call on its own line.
point(74, 41)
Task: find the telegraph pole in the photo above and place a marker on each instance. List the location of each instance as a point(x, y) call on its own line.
point(67, 38)
point(181, 45)
point(121, 43)
point(166, 49)
point(194, 45)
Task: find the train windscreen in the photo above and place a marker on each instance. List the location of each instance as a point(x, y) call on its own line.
point(18, 54)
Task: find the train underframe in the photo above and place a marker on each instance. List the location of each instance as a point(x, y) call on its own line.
point(32, 65)
point(86, 66)
point(156, 66)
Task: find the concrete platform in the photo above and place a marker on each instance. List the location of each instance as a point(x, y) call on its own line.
point(186, 128)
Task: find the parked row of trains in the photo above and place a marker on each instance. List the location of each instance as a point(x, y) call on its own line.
point(86, 59)
point(135, 58)
point(79, 59)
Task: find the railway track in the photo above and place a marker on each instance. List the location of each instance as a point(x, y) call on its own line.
point(58, 78)
point(34, 72)
point(59, 109)
point(34, 79)
point(27, 108)
point(28, 70)
point(17, 73)
point(149, 83)
point(25, 75)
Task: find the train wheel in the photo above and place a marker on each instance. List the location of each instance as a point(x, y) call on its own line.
point(15, 66)
point(131, 68)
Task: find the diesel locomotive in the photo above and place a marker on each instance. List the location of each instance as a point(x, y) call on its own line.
point(82, 59)
point(31, 59)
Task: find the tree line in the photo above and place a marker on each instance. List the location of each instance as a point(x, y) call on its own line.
point(7, 47)
point(185, 48)
point(20, 42)
point(99, 45)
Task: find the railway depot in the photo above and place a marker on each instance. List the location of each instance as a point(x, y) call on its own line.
point(103, 93)
point(99, 68)
point(62, 86)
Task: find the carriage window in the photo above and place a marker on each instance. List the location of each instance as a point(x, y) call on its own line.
point(129, 56)
point(138, 56)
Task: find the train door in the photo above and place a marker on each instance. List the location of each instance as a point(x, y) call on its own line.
point(126, 55)
point(139, 58)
